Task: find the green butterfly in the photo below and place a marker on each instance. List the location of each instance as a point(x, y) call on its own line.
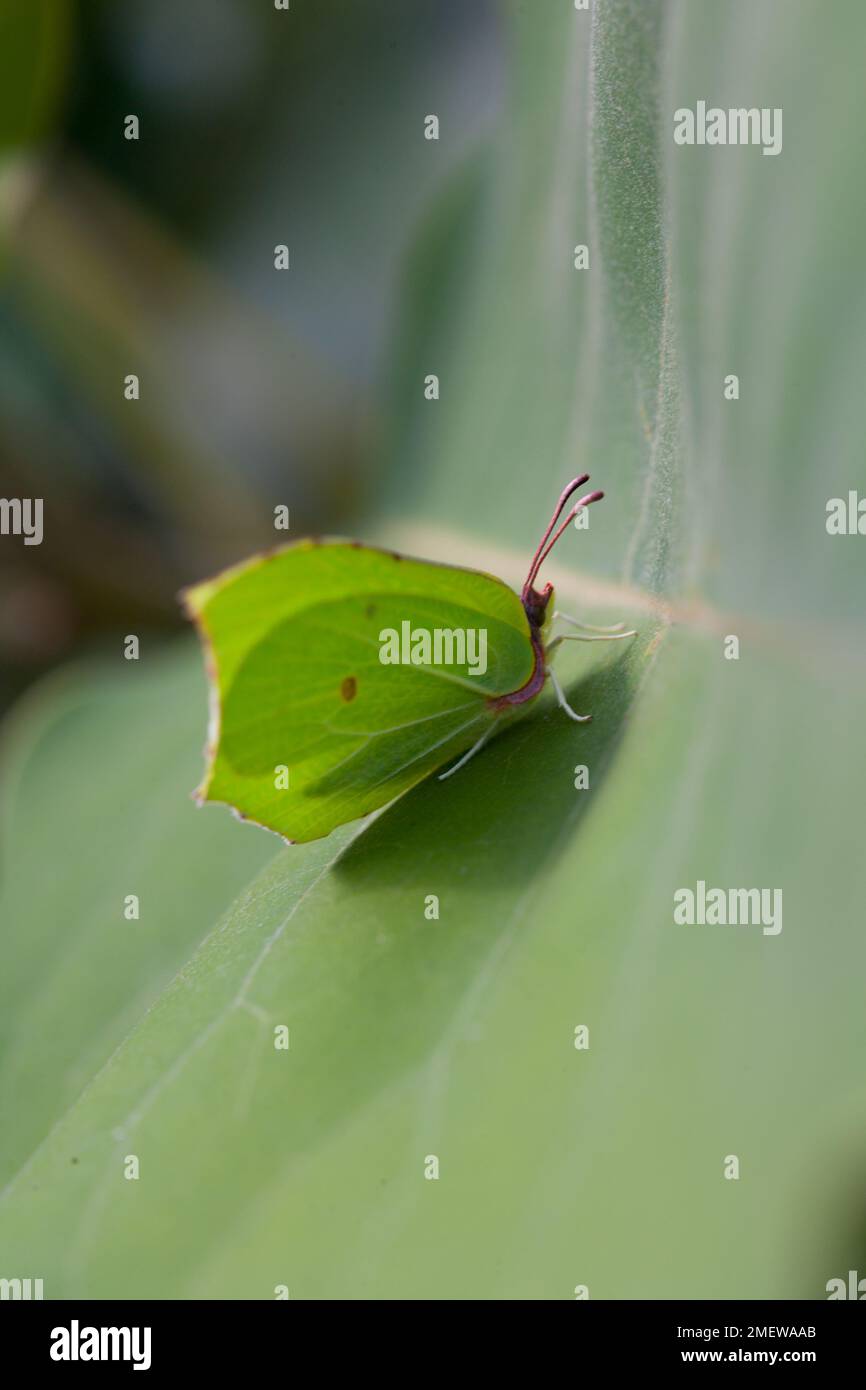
point(341, 675)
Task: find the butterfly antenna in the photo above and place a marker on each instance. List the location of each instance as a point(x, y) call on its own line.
point(563, 498)
point(539, 559)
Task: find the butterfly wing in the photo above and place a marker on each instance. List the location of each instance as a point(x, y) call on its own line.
point(309, 729)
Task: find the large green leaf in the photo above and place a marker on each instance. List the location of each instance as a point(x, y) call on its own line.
point(77, 972)
point(412, 1037)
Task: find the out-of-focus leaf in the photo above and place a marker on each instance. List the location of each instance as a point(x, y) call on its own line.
point(34, 48)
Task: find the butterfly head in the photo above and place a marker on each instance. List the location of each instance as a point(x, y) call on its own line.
point(536, 604)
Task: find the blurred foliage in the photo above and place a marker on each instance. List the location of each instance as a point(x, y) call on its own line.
point(156, 257)
point(35, 45)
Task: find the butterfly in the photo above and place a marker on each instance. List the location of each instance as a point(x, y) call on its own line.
point(342, 674)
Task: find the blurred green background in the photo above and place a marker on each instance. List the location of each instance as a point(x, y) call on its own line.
point(558, 1167)
point(156, 257)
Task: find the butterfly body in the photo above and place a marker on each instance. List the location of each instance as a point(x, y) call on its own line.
point(539, 623)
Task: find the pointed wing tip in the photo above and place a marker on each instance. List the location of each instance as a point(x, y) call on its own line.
point(201, 797)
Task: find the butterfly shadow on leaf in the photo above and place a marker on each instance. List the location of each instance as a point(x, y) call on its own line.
point(481, 844)
point(497, 822)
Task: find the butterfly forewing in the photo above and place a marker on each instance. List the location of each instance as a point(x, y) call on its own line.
point(314, 729)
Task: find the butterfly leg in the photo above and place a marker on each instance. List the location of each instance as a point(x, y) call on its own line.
point(560, 693)
point(605, 634)
point(479, 743)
